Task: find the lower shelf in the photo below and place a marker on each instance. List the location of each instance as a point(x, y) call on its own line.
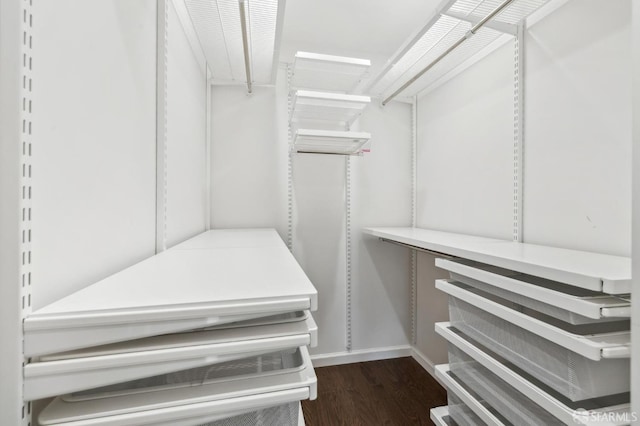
point(440, 416)
point(612, 410)
point(331, 142)
point(191, 397)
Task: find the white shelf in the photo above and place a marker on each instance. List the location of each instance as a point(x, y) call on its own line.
point(328, 72)
point(120, 362)
point(453, 20)
point(609, 408)
point(442, 373)
point(592, 346)
point(440, 416)
point(189, 398)
point(591, 271)
point(330, 142)
point(335, 108)
point(535, 290)
point(180, 289)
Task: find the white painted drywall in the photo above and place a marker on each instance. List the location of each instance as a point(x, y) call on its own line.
point(94, 131)
point(635, 326)
point(577, 181)
point(249, 157)
point(381, 196)
point(465, 143)
point(10, 171)
point(186, 137)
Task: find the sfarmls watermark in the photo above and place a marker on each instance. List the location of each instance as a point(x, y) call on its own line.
point(582, 416)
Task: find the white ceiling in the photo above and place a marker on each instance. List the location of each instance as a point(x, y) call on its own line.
point(372, 29)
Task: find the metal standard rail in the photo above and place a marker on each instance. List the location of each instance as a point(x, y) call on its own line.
point(245, 43)
point(467, 36)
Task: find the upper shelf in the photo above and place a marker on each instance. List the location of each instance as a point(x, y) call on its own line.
point(200, 283)
point(328, 72)
point(331, 142)
point(592, 271)
point(453, 21)
point(336, 108)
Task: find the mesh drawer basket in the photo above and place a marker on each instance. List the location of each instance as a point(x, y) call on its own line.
point(509, 403)
point(260, 366)
point(282, 415)
point(460, 413)
point(566, 372)
point(536, 305)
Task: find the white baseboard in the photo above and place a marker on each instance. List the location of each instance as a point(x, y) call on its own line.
point(362, 355)
point(424, 362)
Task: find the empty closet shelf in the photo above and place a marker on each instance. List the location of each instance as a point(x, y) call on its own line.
point(567, 303)
point(591, 271)
point(330, 141)
point(611, 410)
point(104, 365)
point(573, 362)
point(440, 416)
point(335, 108)
point(327, 72)
point(176, 290)
point(190, 397)
point(467, 397)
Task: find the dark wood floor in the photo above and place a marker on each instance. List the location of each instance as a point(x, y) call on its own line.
point(389, 392)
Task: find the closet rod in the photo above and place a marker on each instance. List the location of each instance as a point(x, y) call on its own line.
point(467, 36)
point(245, 43)
point(416, 248)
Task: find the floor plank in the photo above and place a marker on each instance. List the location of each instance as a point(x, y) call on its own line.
point(388, 392)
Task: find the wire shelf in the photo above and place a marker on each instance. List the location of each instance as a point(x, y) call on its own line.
point(331, 142)
point(327, 72)
point(453, 21)
point(338, 109)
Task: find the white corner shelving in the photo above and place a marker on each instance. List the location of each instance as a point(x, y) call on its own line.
point(330, 142)
point(321, 120)
point(454, 20)
point(328, 72)
point(325, 107)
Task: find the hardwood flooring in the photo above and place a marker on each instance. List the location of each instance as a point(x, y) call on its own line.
point(389, 392)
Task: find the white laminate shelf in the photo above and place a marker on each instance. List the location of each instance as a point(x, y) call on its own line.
point(218, 277)
point(328, 72)
point(440, 416)
point(331, 142)
point(338, 109)
point(591, 271)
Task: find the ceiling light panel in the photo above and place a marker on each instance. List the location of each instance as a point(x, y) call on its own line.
point(217, 23)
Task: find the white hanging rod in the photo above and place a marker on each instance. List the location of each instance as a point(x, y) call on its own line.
point(245, 43)
point(464, 38)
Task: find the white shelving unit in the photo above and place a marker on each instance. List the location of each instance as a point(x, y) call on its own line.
point(331, 142)
point(321, 121)
point(514, 331)
point(154, 343)
point(328, 72)
point(326, 107)
point(591, 271)
point(420, 56)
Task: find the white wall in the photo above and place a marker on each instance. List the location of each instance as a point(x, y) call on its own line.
point(186, 137)
point(10, 172)
point(249, 157)
point(635, 326)
point(94, 124)
point(577, 181)
point(465, 140)
point(381, 196)
point(577, 145)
